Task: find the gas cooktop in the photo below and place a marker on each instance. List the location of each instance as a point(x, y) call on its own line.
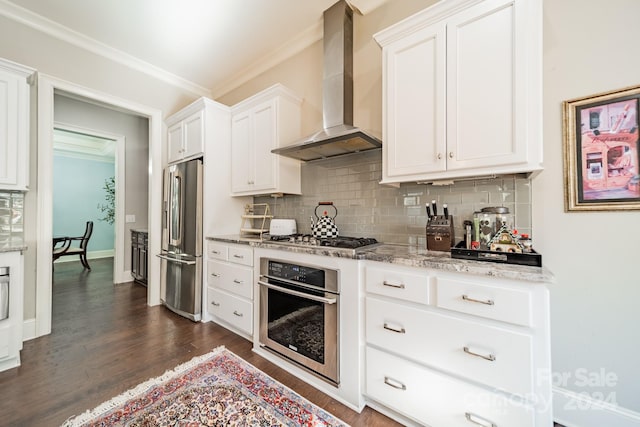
point(343, 242)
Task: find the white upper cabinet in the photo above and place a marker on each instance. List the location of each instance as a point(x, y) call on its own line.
point(462, 91)
point(185, 137)
point(267, 120)
point(14, 126)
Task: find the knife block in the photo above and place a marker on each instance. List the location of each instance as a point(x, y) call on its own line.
point(440, 236)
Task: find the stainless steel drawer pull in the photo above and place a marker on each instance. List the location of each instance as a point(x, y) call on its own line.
point(215, 252)
point(487, 302)
point(215, 274)
point(475, 419)
point(237, 314)
point(215, 304)
point(389, 328)
point(239, 282)
point(238, 256)
point(395, 384)
point(393, 285)
point(490, 357)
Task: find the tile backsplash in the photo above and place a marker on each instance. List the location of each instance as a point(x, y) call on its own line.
point(11, 218)
point(389, 214)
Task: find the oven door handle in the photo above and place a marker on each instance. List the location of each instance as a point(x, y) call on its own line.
point(299, 294)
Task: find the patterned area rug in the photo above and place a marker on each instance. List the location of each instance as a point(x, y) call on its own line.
point(217, 389)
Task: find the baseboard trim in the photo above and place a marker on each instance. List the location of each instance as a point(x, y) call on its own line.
point(29, 329)
point(573, 409)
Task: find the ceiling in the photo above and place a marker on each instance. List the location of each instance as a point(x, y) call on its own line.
point(206, 46)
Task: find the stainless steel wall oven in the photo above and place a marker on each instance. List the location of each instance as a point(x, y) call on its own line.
point(299, 306)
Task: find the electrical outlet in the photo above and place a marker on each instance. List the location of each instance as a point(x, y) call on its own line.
point(130, 218)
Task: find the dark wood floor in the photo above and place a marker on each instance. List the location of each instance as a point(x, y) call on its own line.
point(106, 340)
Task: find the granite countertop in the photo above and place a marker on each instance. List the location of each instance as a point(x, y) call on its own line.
point(13, 247)
point(411, 256)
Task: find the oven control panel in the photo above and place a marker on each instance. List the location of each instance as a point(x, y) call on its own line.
point(297, 273)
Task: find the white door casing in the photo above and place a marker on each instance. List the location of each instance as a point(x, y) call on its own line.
point(47, 86)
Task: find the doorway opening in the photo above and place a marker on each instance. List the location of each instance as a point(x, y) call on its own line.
point(48, 88)
point(88, 185)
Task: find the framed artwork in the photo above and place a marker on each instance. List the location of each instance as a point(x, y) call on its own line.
point(601, 153)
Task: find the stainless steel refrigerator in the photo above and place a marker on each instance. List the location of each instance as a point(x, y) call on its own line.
point(181, 280)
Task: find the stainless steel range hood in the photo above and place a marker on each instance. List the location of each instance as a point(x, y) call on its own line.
point(339, 136)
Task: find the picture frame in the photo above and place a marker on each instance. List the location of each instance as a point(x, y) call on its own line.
point(601, 151)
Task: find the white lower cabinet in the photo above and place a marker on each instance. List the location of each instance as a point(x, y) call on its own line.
point(437, 399)
point(229, 274)
point(448, 349)
point(11, 309)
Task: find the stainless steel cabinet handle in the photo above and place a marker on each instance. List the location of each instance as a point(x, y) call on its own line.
point(389, 328)
point(478, 420)
point(299, 294)
point(215, 274)
point(439, 156)
point(451, 154)
point(215, 252)
point(238, 256)
point(237, 314)
point(239, 282)
point(490, 357)
point(215, 304)
point(180, 261)
point(487, 302)
point(393, 285)
point(394, 383)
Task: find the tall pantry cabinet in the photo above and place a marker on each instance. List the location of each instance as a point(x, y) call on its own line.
point(462, 91)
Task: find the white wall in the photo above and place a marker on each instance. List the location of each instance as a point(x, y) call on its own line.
point(589, 47)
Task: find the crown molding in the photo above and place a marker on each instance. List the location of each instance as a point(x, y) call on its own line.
point(53, 29)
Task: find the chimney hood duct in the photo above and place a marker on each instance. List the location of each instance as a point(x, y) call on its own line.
point(339, 136)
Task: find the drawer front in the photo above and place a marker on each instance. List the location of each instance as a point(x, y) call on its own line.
point(436, 399)
point(241, 255)
point(233, 310)
point(218, 251)
point(405, 284)
point(492, 302)
point(487, 354)
point(231, 277)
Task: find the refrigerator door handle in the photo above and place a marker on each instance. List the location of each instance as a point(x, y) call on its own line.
point(181, 261)
point(176, 190)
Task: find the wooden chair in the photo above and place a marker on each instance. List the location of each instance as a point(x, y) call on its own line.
point(62, 246)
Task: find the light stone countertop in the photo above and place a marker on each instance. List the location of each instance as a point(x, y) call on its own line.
point(410, 256)
point(13, 248)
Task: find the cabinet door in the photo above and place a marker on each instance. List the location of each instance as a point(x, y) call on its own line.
point(12, 137)
point(485, 91)
point(264, 140)
point(415, 103)
point(193, 144)
point(174, 143)
point(241, 159)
